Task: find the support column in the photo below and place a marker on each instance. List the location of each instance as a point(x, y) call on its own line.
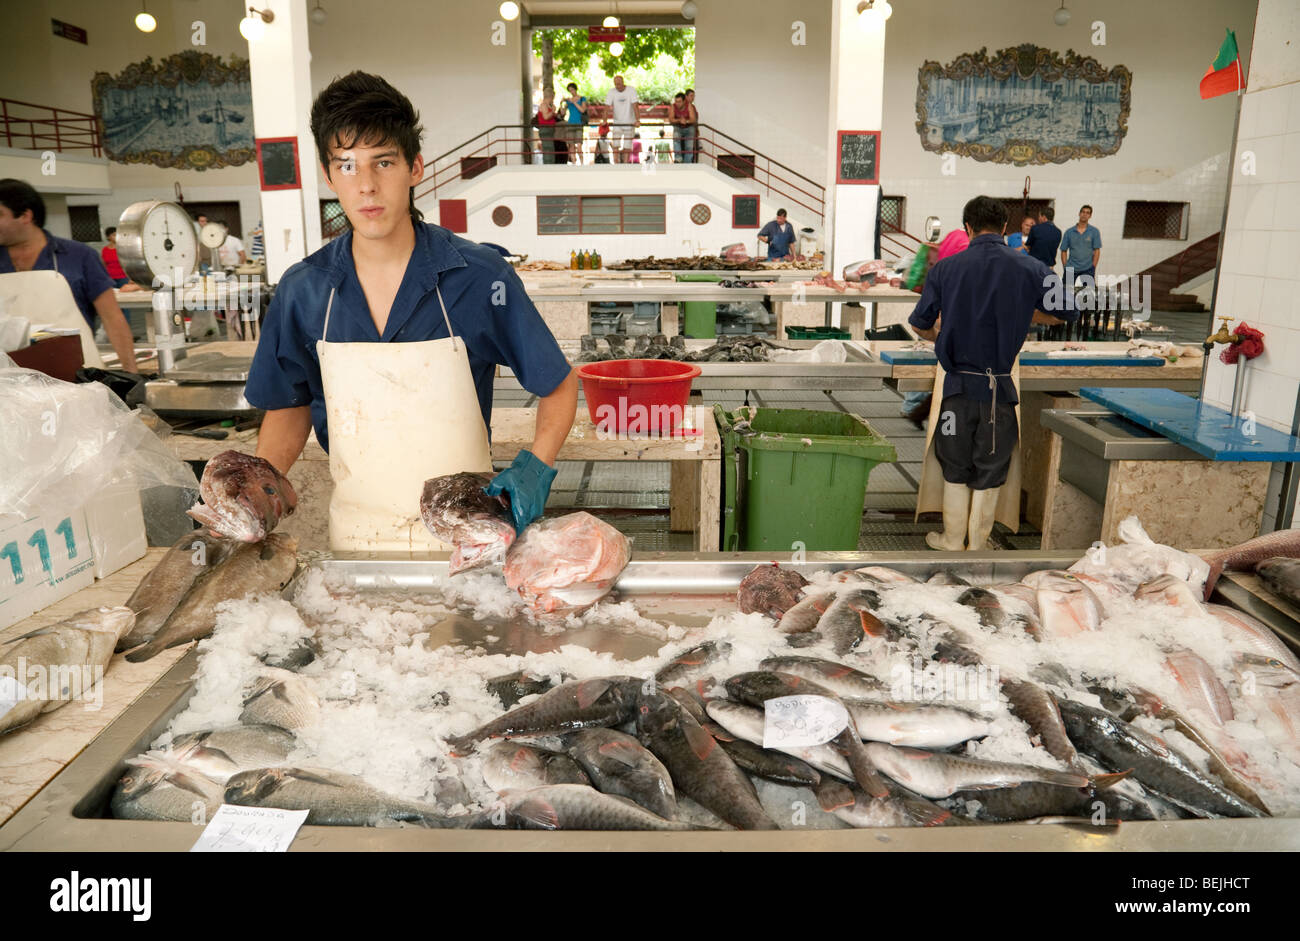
point(280, 65)
point(857, 92)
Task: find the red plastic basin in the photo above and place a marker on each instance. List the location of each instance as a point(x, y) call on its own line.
point(637, 396)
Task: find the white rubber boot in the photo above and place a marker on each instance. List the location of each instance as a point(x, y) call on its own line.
point(983, 507)
point(956, 510)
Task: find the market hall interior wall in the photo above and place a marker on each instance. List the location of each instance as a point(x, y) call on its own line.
point(1176, 145)
point(1259, 282)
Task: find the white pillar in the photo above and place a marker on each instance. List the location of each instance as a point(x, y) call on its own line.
point(280, 63)
point(857, 90)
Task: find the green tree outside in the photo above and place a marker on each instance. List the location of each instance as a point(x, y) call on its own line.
point(657, 62)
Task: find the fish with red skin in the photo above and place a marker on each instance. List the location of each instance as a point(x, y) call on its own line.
point(244, 497)
point(770, 589)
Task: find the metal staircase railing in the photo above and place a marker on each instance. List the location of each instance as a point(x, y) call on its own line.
point(29, 126)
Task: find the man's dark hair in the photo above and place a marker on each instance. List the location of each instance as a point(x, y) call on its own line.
point(780, 212)
point(1049, 213)
point(1085, 206)
point(18, 196)
point(572, 86)
point(109, 231)
point(363, 109)
point(680, 94)
point(984, 214)
point(687, 92)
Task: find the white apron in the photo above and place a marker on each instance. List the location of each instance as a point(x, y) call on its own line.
point(929, 497)
point(398, 414)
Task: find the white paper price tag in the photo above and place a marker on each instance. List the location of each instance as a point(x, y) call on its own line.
point(798, 721)
point(11, 693)
point(249, 830)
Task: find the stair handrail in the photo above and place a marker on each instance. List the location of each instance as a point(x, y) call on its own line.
point(80, 131)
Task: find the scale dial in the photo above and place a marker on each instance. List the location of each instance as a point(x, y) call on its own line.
point(157, 244)
point(212, 235)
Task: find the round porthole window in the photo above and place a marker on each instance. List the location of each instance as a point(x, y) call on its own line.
point(502, 215)
point(700, 213)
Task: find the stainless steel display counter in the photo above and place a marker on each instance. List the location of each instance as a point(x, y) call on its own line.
point(70, 813)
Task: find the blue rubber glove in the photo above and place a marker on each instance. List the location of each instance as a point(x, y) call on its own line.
point(528, 482)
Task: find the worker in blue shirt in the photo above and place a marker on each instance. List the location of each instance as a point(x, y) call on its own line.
point(779, 236)
point(977, 307)
point(386, 341)
point(25, 245)
point(1044, 237)
point(1081, 250)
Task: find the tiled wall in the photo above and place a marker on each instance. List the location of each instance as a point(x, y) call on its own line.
point(1260, 278)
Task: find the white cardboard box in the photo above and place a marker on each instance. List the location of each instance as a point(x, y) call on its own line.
point(42, 560)
point(116, 523)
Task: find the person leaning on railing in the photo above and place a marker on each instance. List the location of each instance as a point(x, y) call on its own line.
point(546, 120)
point(683, 133)
point(694, 123)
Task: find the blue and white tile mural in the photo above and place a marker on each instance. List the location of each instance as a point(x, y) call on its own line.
point(189, 111)
point(1024, 105)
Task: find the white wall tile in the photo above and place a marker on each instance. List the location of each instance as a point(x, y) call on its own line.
point(1268, 158)
point(1258, 205)
point(1284, 253)
point(1293, 107)
point(1248, 126)
point(1270, 396)
point(1286, 206)
point(1275, 302)
point(1246, 301)
point(1254, 253)
point(1289, 172)
point(1272, 106)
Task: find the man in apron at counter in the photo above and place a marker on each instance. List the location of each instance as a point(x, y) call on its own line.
point(977, 306)
point(386, 340)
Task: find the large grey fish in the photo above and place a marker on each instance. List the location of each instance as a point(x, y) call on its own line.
point(839, 678)
point(51, 666)
point(945, 577)
point(757, 687)
point(252, 568)
point(1282, 576)
point(244, 497)
point(154, 788)
point(746, 724)
point(221, 753)
point(986, 604)
point(458, 511)
point(580, 704)
point(769, 589)
point(924, 725)
point(190, 558)
point(333, 799)
point(851, 618)
point(766, 763)
point(619, 764)
point(514, 765)
point(900, 808)
point(282, 699)
point(515, 686)
point(1034, 799)
point(936, 774)
point(574, 807)
point(700, 768)
point(803, 617)
point(1037, 708)
point(1159, 767)
point(688, 661)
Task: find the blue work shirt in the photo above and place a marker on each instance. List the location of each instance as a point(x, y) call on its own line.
point(779, 238)
point(80, 266)
point(1079, 247)
point(1043, 241)
point(575, 116)
point(987, 295)
point(486, 302)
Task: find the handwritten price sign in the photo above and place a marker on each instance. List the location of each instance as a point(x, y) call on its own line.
point(799, 721)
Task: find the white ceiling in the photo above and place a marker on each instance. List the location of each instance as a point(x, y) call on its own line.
point(600, 7)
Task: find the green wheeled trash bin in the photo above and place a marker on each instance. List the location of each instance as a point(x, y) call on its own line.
point(794, 476)
point(699, 320)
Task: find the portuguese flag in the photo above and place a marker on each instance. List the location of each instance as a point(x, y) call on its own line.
point(1224, 74)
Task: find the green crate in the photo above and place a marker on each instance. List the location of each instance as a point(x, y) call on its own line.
point(698, 276)
point(699, 319)
point(795, 476)
point(815, 333)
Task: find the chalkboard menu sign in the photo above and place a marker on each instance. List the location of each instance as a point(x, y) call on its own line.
point(277, 162)
point(859, 157)
point(744, 212)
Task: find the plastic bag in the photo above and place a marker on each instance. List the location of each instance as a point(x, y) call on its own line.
point(827, 351)
point(66, 442)
point(567, 563)
point(1140, 559)
point(916, 273)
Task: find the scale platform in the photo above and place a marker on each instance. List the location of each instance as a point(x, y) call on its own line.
point(205, 384)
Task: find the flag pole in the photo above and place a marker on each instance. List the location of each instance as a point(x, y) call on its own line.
point(1223, 224)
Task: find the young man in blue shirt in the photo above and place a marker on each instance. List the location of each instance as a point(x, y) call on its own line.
point(26, 246)
point(1081, 250)
point(349, 324)
point(779, 236)
point(1044, 238)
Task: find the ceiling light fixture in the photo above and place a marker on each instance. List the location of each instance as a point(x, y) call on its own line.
point(611, 22)
point(253, 26)
point(689, 9)
point(143, 21)
point(1061, 16)
point(872, 14)
point(509, 10)
point(616, 49)
point(318, 14)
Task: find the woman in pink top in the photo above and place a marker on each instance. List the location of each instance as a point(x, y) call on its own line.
point(954, 242)
point(546, 120)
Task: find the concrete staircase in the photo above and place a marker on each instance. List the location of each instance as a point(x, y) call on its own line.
point(1176, 270)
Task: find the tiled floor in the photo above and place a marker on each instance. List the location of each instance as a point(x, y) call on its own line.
point(634, 497)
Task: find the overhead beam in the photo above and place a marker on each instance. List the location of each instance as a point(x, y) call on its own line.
point(582, 21)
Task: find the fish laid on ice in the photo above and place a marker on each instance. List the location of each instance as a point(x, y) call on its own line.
point(757, 687)
point(619, 764)
point(222, 753)
point(190, 558)
point(51, 666)
point(803, 617)
point(937, 774)
point(514, 765)
point(1030, 800)
point(850, 618)
point(457, 511)
point(839, 678)
point(766, 763)
point(576, 807)
point(515, 686)
point(1254, 635)
point(1282, 576)
point(688, 661)
point(282, 699)
point(769, 589)
point(154, 788)
point(885, 576)
point(252, 568)
point(924, 725)
point(244, 497)
point(1282, 543)
point(1066, 606)
point(1172, 591)
point(580, 704)
point(567, 563)
point(1120, 746)
point(901, 808)
point(1273, 690)
point(700, 768)
point(1037, 709)
point(746, 724)
point(332, 798)
point(988, 607)
point(946, 578)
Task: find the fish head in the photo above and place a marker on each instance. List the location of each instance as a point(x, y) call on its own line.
point(1170, 590)
point(244, 497)
point(457, 509)
point(657, 713)
point(256, 785)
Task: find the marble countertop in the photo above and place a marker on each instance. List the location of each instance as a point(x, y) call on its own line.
point(30, 756)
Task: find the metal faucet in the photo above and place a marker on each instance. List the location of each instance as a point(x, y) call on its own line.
point(1223, 336)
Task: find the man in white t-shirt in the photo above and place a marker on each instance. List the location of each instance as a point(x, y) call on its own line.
point(231, 252)
point(625, 121)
